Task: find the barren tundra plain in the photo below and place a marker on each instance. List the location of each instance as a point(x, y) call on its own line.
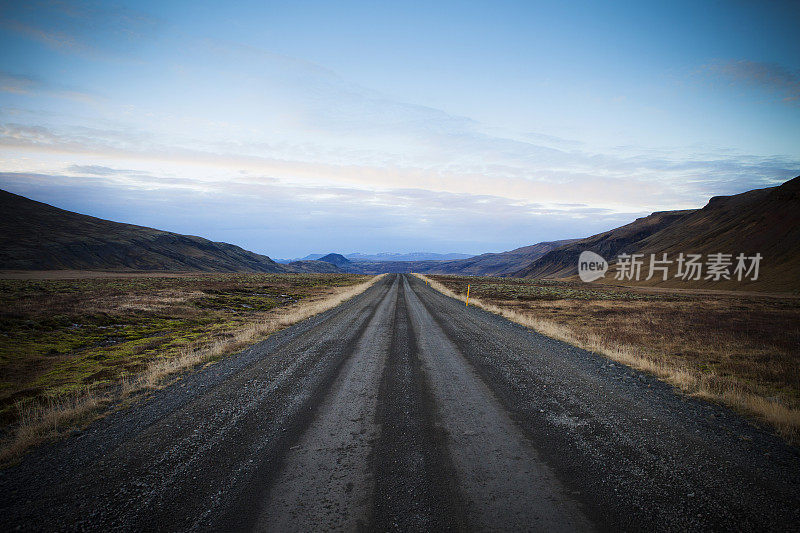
point(405, 409)
point(75, 343)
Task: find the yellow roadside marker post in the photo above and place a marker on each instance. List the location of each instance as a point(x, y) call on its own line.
point(467, 294)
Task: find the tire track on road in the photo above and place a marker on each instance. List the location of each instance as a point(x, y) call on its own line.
point(415, 487)
point(506, 484)
point(326, 480)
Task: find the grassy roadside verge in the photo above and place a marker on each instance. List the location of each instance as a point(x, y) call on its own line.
point(71, 349)
point(738, 350)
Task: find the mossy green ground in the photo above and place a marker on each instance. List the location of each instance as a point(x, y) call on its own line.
point(57, 336)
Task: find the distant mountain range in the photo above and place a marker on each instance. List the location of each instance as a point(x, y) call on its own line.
point(319, 267)
point(37, 236)
point(498, 264)
point(495, 264)
point(386, 256)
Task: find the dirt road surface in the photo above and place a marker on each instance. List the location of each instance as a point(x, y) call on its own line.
point(404, 410)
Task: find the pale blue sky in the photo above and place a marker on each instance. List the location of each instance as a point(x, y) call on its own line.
point(297, 127)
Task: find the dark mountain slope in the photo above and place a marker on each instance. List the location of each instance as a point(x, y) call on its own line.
point(764, 221)
point(563, 261)
point(37, 236)
point(336, 259)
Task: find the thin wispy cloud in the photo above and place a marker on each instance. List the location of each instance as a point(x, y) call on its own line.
point(23, 85)
point(55, 39)
point(97, 30)
point(16, 84)
point(781, 81)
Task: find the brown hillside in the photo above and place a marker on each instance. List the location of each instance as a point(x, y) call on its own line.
point(563, 261)
point(37, 236)
point(764, 221)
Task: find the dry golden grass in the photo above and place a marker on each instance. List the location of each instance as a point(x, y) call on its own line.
point(691, 343)
point(43, 419)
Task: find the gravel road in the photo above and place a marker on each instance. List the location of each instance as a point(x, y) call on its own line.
point(404, 410)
